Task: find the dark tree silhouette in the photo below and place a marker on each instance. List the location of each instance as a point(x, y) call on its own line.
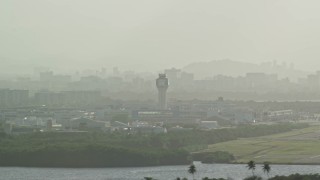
point(148, 178)
point(266, 168)
point(251, 165)
point(192, 170)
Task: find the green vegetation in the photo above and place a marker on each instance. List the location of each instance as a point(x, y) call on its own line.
point(148, 178)
point(186, 139)
point(251, 165)
point(119, 149)
point(297, 177)
point(192, 170)
point(253, 178)
point(213, 157)
point(85, 150)
point(266, 168)
point(294, 147)
point(290, 177)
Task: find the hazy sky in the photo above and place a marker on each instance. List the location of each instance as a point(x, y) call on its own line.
point(150, 35)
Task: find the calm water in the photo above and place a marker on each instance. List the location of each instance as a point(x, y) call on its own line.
point(161, 172)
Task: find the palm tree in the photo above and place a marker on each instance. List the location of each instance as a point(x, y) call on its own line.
point(266, 168)
point(192, 170)
point(251, 165)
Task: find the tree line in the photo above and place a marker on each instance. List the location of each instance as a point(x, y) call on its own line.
point(119, 149)
point(251, 165)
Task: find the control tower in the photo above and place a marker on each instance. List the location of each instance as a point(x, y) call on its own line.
point(162, 85)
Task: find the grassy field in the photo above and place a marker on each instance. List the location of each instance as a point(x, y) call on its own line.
point(294, 147)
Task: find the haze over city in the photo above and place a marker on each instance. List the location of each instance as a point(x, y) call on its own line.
point(154, 35)
point(159, 89)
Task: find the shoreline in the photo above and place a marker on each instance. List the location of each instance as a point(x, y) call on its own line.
point(307, 164)
point(92, 167)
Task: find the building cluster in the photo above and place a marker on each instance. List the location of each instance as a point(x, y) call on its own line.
point(66, 98)
point(128, 84)
point(88, 110)
point(21, 98)
point(138, 118)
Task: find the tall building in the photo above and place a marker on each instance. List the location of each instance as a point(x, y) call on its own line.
point(162, 85)
point(10, 98)
point(173, 74)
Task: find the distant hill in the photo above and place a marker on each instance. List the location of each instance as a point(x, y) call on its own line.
point(236, 68)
